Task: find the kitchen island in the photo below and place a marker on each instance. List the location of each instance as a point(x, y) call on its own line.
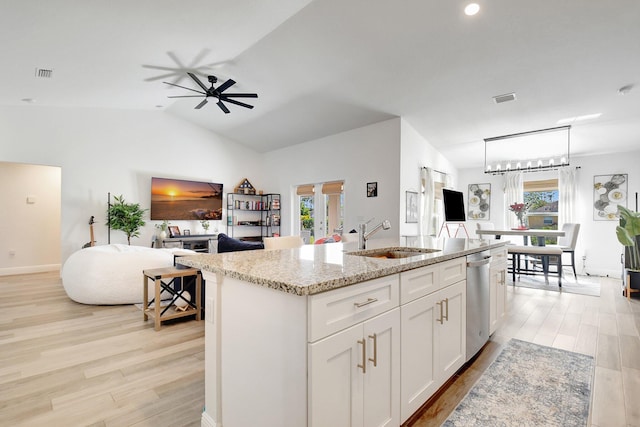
point(317, 336)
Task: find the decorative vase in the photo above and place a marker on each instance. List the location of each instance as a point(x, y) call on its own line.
point(522, 222)
point(162, 235)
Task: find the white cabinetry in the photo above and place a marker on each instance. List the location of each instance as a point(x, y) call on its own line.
point(354, 373)
point(433, 325)
point(498, 288)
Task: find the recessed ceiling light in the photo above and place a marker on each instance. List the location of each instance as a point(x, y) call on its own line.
point(28, 100)
point(472, 9)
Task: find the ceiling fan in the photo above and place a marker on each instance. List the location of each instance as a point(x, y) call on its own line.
point(215, 93)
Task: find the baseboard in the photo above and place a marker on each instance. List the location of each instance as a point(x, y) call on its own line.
point(614, 274)
point(30, 269)
point(207, 421)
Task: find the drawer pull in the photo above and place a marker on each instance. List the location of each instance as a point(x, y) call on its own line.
point(374, 337)
point(364, 356)
point(446, 316)
point(367, 302)
point(441, 319)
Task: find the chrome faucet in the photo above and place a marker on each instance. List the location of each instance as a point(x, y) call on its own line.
point(363, 235)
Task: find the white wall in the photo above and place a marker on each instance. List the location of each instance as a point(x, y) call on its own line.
point(29, 218)
point(416, 153)
point(597, 239)
point(118, 151)
point(358, 156)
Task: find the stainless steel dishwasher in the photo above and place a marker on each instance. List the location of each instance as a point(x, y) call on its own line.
point(477, 301)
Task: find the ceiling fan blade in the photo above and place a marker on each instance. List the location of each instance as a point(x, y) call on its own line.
point(242, 104)
point(185, 96)
point(183, 87)
point(226, 85)
point(241, 95)
point(202, 104)
point(223, 107)
point(197, 80)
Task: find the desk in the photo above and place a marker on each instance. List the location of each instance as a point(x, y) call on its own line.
point(539, 233)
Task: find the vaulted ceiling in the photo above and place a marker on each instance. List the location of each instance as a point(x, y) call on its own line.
point(325, 66)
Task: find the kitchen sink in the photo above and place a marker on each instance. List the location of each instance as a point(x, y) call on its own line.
point(394, 253)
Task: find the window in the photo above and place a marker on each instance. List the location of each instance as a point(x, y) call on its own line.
point(542, 198)
point(328, 218)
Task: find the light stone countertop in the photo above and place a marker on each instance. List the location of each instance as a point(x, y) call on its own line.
point(312, 269)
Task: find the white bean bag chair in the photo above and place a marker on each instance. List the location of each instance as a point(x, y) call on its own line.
point(112, 274)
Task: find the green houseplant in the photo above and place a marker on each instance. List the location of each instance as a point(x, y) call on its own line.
point(126, 217)
point(628, 233)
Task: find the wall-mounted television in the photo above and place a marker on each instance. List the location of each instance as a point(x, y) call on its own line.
point(176, 199)
point(453, 205)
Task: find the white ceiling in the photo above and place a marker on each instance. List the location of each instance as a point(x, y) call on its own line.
point(325, 66)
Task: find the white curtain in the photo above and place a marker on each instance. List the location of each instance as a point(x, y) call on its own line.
point(427, 196)
point(513, 193)
point(567, 197)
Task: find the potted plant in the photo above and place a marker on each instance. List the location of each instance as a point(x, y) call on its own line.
point(628, 233)
point(164, 227)
point(126, 217)
point(205, 225)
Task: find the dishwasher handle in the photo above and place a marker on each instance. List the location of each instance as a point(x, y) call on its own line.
point(484, 261)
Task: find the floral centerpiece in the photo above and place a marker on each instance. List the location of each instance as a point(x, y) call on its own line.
point(520, 209)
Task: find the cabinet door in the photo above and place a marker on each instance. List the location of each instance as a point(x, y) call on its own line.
point(494, 276)
point(451, 330)
point(419, 378)
point(502, 295)
point(335, 380)
point(382, 379)
point(497, 297)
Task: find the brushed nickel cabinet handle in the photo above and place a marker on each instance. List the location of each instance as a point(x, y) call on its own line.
point(441, 319)
point(446, 316)
point(364, 356)
point(374, 337)
point(367, 302)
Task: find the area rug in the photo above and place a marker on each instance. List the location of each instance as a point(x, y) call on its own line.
point(584, 285)
point(529, 385)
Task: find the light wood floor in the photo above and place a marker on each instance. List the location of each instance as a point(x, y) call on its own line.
point(69, 364)
point(604, 327)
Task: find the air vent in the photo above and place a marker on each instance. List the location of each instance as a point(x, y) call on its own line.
point(44, 73)
point(504, 98)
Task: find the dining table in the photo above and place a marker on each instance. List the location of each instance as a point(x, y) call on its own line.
point(539, 233)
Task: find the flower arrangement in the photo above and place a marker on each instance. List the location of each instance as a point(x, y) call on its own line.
point(205, 225)
point(520, 209)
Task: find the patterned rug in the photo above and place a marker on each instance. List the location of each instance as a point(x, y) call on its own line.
point(584, 285)
point(529, 385)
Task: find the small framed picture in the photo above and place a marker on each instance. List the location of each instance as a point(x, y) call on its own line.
point(372, 189)
point(186, 232)
point(412, 206)
point(174, 231)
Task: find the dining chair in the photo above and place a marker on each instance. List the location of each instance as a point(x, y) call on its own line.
point(568, 243)
point(282, 242)
point(484, 225)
